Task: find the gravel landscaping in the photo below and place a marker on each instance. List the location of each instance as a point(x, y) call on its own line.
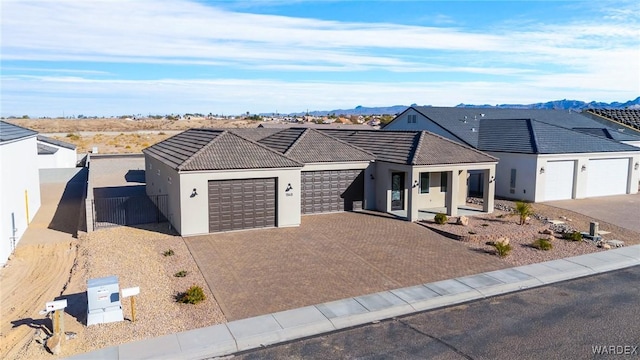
point(481, 230)
point(135, 255)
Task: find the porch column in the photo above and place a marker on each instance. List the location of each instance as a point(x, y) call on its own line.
point(488, 195)
point(453, 187)
point(412, 198)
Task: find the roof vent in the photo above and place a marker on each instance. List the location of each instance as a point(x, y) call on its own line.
point(621, 130)
point(473, 129)
point(481, 115)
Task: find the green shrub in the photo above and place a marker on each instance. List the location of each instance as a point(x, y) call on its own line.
point(523, 210)
point(181, 273)
point(542, 244)
point(193, 295)
point(502, 249)
point(573, 236)
point(168, 253)
point(440, 218)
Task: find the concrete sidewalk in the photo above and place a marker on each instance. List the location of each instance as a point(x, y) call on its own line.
point(255, 332)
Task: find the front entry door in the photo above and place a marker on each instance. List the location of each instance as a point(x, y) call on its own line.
point(397, 191)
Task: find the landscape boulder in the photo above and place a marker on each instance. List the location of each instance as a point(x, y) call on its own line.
point(463, 220)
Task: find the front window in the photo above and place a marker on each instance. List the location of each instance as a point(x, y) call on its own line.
point(424, 183)
point(443, 182)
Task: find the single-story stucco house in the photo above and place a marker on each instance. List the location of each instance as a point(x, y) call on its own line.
point(54, 154)
point(19, 185)
point(222, 180)
point(544, 155)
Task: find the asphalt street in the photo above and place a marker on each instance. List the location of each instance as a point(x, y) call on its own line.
point(597, 317)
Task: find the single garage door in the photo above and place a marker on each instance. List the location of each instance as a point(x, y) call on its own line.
point(559, 180)
point(332, 190)
point(242, 204)
point(607, 177)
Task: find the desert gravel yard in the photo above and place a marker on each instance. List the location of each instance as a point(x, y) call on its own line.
point(328, 257)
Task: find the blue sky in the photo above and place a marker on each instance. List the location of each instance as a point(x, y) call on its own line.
point(115, 57)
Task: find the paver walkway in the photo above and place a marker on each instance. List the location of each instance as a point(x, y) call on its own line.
point(329, 257)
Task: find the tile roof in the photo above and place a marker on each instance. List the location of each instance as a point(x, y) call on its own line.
point(316, 126)
point(411, 147)
point(46, 149)
point(308, 145)
point(527, 136)
point(254, 134)
point(619, 135)
point(209, 149)
point(59, 143)
point(10, 132)
point(463, 123)
point(629, 117)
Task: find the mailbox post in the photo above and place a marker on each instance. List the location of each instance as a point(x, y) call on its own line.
point(131, 292)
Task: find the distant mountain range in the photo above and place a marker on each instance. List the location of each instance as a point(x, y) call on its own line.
point(565, 104)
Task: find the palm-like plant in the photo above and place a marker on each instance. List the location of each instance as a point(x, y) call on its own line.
point(523, 210)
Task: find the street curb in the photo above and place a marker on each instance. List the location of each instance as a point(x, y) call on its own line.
point(264, 330)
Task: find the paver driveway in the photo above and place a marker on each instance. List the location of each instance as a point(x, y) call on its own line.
point(621, 210)
point(328, 257)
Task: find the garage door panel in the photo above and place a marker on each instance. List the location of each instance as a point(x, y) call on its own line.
point(328, 191)
point(607, 177)
point(559, 180)
point(241, 204)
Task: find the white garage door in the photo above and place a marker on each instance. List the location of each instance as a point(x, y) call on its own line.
point(607, 177)
point(559, 180)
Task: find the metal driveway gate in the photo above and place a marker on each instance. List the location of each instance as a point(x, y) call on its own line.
point(129, 210)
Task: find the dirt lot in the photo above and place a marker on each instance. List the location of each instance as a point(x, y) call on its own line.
point(116, 136)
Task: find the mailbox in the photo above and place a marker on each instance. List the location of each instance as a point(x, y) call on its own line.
point(103, 297)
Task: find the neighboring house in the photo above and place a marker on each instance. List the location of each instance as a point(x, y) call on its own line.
point(54, 153)
point(19, 184)
point(544, 155)
point(222, 180)
point(317, 126)
point(625, 120)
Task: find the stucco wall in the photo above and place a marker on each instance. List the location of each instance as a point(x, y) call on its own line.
point(19, 175)
point(157, 176)
point(526, 175)
point(195, 210)
point(63, 158)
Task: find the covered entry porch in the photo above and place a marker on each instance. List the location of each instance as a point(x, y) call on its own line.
point(419, 192)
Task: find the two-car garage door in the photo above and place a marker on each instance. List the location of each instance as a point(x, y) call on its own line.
point(332, 190)
point(242, 204)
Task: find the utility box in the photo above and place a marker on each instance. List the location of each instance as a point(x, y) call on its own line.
point(103, 297)
point(594, 228)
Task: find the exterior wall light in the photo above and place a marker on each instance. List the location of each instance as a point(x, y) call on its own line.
point(194, 193)
point(636, 166)
point(415, 183)
point(373, 177)
point(289, 188)
point(583, 168)
point(492, 179)
point(542, 170)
